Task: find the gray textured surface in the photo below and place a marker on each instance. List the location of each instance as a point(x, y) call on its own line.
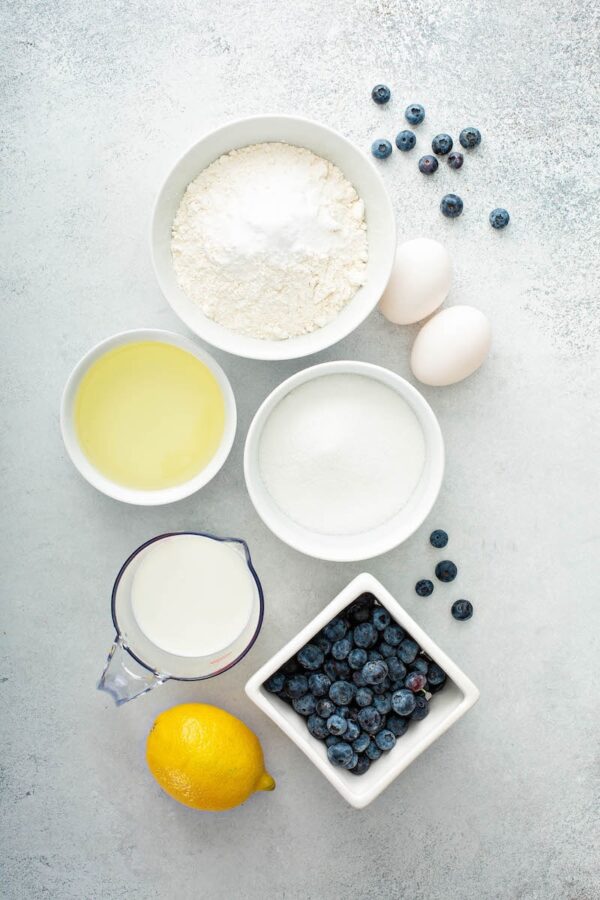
point(98, 100)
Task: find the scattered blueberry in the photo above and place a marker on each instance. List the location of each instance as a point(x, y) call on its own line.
point(421, 709)
point(340, 754)
point(306, 705)
point(442, 144)
point(361, 766)
point(451, 206)
point(398, 725)
point(365, 635)
point(360, 610)
point(336, 629)
point(403, 702)
point(362, 742)
point(373, 751)
point(396, 669)
point(319, 684)
point(341, 692)
point(375, 672)
point(383, 703)
point(415, 113)
point(435, 675)
point(446, 571)
point(381, 94)
point(310, 657)
point(408, 650)
point(455, 159)
point(428, 165)
point(438, 538)
point(462, 610)
point(341, 649)
point(381, 618)
point(470, 137)
point(424, 588)
point(415, 681)
point(393, 634)
point(386, 739)
point(499, 218)
point(370, 720)
point(336, 724)
point(420, 665)
point(317, 727)
point(275, 683)
point(405, 140)
point(381, 148)
point(357, 658)
point(364, 697)
point(325, 708)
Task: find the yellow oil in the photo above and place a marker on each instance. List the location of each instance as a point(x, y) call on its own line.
point(149, 415)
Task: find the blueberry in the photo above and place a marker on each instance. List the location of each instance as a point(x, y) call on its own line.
point(398, 725)
point(420, 665)
point(340, 754)
point(434, 688)
point(408, 651)
point(438, 538)
point(353, 762)
point(370, 720)
point(396, 668)
point(357, 658)
point(365, 635)
point(343, 670)
point(462, 610)
point(274, 684)
point(330, 669)
point(325, 708)
point(393, 634)
point(428, 165)
point(342, 711)
point(405, 140)
point(415, 681)
point(310, 657)
point(435, 674)
point(362, 742)
point(446, 571)
point(319, 684)
point(421, 709)
point(352, 731)
point(381, 148)
point(322, 643)
point(336, 629)
point(424, 588)
point(359, 679)
point(381, 688)
point(386, 739)
point(317, 727)
point(415, 113)
point(386, 650)
point(442, 144)
point(455, 159)
point(383, 703)
point(381, 94)
point(306, 705)
point(341, 692)
point(296, 686)
point(361, 766)
point(375, 672)
point(499, 218)
point(451, 206)
point(332, 740)
point(381, 618)
point(283, 696)
point(360, 610)
point(374, 656)
point(341, 649)
point(290, 667)
point(364, 697)
point(373, 751)
point(470, 137)
point(336, 724)
point(403, 702)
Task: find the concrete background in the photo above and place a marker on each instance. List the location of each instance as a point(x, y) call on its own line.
point(98, 100)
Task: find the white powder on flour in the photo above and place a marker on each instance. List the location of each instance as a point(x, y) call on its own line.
point(341, 454)
point(270, 241)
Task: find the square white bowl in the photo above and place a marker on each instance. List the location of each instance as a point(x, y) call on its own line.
point(446, 708)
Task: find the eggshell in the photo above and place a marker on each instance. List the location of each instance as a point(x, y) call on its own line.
point(419, 283)
point(451, 346)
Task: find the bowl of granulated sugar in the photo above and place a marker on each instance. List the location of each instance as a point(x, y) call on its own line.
point(273, 237)
point(344, 460)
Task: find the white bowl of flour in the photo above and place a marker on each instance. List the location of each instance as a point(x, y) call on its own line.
point(344, 460)
point(273, 237)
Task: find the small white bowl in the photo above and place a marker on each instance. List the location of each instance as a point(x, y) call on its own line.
point(446, 707)
point(358, 169)
point(366, 544)
point(119, 491)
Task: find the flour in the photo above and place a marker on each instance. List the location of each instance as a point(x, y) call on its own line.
point(270, 241)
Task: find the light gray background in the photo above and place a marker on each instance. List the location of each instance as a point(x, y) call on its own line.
point(98, 100)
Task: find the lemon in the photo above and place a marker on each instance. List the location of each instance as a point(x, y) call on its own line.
point(206, 758)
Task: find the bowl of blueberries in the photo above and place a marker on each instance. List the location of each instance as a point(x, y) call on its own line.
point(362, 690)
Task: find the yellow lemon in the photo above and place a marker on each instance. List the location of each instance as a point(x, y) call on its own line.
point(205, 757)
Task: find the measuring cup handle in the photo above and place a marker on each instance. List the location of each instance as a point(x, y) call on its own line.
point(124, 678)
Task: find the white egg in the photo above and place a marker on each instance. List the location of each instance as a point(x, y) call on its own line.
point(451, 346)
point(419, 283)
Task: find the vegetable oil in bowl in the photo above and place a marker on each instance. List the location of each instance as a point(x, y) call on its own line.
point(149, 415)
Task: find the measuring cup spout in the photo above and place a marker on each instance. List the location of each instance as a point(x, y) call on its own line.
point(124, 678)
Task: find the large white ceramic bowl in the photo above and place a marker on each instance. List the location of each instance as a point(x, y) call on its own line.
point(112, 488)
point(446, 707)
point(366, 544)
point(358, 169)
